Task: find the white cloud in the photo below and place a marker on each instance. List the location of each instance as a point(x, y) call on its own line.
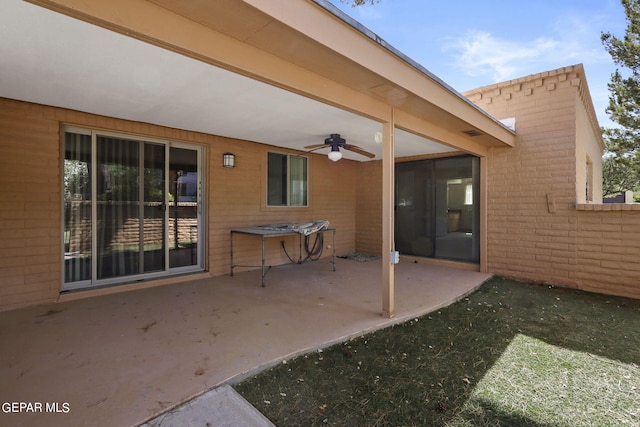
point(482, 54)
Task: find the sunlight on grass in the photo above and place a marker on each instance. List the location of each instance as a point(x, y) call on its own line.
point(549, 385)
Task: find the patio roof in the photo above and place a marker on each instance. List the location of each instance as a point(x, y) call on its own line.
point(284, 75)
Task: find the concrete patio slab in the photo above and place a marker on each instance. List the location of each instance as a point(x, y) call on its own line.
point(126, 358)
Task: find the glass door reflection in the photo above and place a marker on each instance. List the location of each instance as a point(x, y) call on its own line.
point(184, 200)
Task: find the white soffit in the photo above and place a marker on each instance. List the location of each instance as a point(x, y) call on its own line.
point(52, 59)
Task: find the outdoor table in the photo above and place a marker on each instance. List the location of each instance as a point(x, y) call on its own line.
point(264, 233)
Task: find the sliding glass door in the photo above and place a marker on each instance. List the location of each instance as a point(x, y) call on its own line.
point(437, 208)
point(414, 232)
point(184, 226)
point(131, 208)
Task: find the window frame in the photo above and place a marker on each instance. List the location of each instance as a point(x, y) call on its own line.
point(288, 180)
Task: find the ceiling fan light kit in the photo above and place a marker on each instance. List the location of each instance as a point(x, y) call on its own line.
point(335, 153)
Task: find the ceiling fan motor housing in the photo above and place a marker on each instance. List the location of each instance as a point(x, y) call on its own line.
point(335, 139)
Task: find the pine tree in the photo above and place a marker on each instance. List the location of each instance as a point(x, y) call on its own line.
point(624, 101)
point(617, 177)
point(355, 3)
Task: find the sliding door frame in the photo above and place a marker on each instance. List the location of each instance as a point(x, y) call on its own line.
point(200, 248)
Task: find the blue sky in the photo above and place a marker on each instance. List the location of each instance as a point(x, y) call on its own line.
point(470, 44)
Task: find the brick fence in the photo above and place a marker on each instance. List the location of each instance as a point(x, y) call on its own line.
point(608, 248)
point(122, 226)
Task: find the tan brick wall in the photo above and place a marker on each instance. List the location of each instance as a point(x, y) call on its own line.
point(31, 201)
point(128, 234)
point(588, 149)
point(238, 200)
point(588, 246)
point(369, 208)
point(30, 215)
point(525, 239)
point(609, 249)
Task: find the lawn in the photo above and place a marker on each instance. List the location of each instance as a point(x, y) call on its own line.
point(510, 354)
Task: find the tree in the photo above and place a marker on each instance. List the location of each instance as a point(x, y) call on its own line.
point(617, 177)
point(355, 3)
point(624, 100)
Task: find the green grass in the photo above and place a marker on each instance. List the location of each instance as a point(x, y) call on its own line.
point(511, 354)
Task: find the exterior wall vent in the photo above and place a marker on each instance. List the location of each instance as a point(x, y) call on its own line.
point(472, 132)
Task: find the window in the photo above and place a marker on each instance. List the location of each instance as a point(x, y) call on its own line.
point(589, 180)
point(468, 195)
point(287, 182)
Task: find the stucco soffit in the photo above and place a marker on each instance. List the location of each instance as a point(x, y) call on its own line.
point(314, 59)
point(302, 33)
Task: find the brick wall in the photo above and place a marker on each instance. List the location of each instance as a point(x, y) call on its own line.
point(31, 199)
point(609, 248)
point(588, 150)
point(237, 199)
point(526, 238)
point(539, 226)
point(369, 208)
point(127, 233)
point(30, 214)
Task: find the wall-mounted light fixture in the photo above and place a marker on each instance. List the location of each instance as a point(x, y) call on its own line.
point(229, 160)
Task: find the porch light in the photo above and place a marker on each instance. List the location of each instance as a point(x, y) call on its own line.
point(335, 153)
point(229, 160)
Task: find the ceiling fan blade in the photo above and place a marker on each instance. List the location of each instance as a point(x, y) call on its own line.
point(316, 146)
point(359, 151)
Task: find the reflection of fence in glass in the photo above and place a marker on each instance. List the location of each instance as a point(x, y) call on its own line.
point(124, 231)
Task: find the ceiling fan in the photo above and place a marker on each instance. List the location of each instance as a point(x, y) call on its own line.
point(336, 142)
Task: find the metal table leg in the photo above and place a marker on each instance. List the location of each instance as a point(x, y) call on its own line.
point(232, 254)
point(263, 261)
point(334, 250)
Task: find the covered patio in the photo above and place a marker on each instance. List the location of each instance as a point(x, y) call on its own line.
point(243, 78)
point(124, 358)
point(240, 77)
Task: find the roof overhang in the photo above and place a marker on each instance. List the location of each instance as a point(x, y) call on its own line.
point(284, 73)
